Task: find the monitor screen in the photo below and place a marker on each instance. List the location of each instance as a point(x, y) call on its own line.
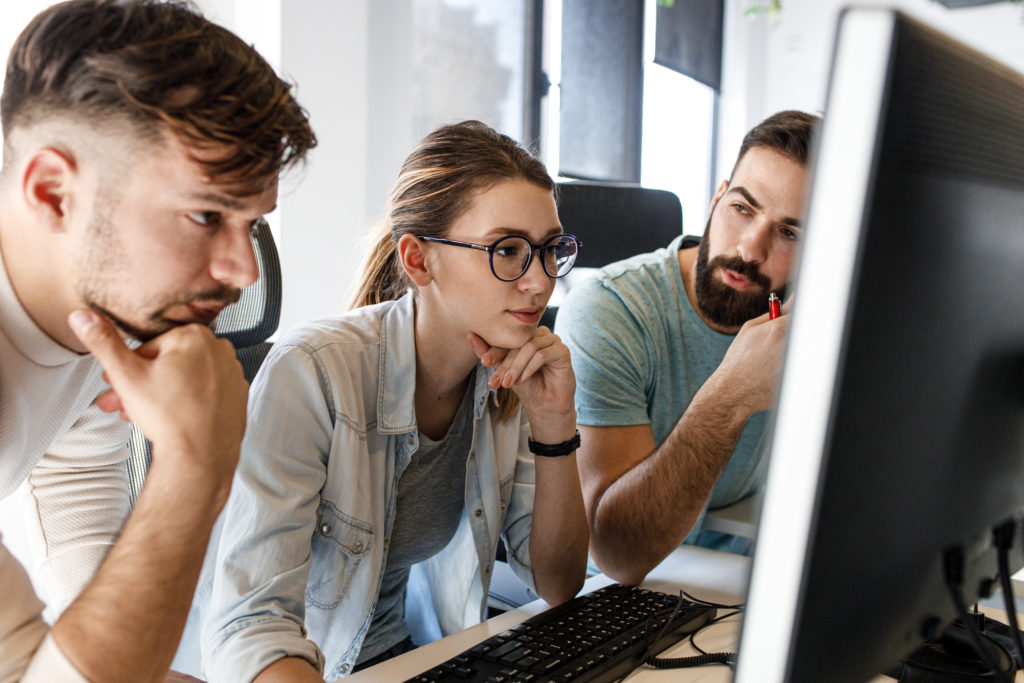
point(898, 439)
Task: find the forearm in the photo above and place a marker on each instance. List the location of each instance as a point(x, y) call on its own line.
point(651, 508)
point(289, 670)
point(558, 530)
point(127, 623)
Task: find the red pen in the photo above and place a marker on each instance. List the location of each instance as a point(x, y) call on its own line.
point(774, 306)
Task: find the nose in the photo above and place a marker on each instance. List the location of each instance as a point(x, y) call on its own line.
point(535, 279)
point(234, 259)
point(754, 242)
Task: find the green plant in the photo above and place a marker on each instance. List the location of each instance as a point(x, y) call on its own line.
point(770, 7)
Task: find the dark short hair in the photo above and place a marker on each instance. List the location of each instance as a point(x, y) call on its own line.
point(788, 132)
point(156, 65)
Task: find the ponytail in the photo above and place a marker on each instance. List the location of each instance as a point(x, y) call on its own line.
point(382, 278)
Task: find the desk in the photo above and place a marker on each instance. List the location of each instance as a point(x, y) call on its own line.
point(707, 574)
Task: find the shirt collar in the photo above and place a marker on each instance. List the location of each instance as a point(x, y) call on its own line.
point(24, 334)
point(396, 405)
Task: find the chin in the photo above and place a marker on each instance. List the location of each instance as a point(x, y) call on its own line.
point(508, 339)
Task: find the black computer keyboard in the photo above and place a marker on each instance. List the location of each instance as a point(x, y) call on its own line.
point(596, 637)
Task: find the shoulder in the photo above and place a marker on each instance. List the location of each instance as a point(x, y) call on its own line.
point(343, 348)
point(637, 291)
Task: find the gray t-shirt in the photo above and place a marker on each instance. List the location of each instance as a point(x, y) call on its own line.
point(640, 353)
point(428, 508)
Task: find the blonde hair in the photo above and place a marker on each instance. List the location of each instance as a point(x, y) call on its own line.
point(436, 184)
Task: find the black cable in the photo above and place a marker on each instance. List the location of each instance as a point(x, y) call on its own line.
point(700, 601)
point(726, 658)
point(704, 658)
point(954, 570)
point(1004, 540)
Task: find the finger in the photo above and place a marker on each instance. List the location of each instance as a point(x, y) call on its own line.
point(109, 402)
point(103, 341)
point(537, 361)
point(488, 355)
point(514, 368)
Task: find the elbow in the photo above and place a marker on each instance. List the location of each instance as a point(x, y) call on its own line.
point(626, 575)
point(626, 568)
point(557, 595)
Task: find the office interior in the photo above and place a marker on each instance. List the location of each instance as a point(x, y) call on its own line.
point(377, 75)
point(358, 67)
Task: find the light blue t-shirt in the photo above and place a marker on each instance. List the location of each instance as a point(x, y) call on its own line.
point(640, 353)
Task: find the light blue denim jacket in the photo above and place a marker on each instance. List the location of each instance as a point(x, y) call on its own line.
point(331, 428)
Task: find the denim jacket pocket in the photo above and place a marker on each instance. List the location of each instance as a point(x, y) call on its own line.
point(339, 545)
point(505, 493)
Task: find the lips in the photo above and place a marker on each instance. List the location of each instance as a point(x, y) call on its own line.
point(530, 316)
point(206, 313)
point(735, 280)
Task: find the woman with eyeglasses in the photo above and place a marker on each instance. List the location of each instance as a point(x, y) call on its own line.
point(389, 448)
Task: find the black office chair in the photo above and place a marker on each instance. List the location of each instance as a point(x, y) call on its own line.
point(247, 324)
point(615, 221)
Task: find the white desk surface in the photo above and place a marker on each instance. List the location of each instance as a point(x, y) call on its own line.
point(706, 574)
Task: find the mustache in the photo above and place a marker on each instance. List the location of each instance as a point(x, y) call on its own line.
point(744, 268)
point(219, 294)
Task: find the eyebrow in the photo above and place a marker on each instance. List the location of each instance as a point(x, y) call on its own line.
point(788, 220)
point(216, 198)
point(556, 230)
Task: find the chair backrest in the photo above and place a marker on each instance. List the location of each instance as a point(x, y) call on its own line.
point(614, 221)
point(247, 324)
point(617, 220)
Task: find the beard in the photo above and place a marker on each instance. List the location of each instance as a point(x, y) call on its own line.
point(103, 281)
point(720, 303)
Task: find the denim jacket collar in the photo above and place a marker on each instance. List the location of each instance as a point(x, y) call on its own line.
point(396, 405)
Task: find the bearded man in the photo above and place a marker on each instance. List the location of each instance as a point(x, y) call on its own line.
point(676, 361)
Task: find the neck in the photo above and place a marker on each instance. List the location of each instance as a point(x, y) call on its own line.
point(444, 361)
point(38, 278)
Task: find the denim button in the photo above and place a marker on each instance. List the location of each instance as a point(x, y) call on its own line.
point(325, 529)
point(358, 546)
point(478, 512)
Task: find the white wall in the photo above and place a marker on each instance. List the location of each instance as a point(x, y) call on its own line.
point(783, 63)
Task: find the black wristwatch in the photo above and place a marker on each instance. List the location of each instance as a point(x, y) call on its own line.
point(555, 450)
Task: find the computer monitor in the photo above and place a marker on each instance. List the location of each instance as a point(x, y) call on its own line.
point(899, 431)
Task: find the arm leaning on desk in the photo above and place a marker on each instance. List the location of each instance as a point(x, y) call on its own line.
point(707, 574)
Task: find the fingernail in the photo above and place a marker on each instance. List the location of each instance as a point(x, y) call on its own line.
point(81, 321)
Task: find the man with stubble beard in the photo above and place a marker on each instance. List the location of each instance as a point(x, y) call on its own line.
point(676, 361)
point(141, 145)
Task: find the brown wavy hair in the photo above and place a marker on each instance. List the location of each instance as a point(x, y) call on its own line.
point(436, 184)
point(788, 132)
point(157, 65)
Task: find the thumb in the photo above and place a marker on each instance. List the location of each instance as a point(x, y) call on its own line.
point(480, 347)
point(102, 340)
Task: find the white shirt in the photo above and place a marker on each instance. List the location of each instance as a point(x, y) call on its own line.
point(72, 454)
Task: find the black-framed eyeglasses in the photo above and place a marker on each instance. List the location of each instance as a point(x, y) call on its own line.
point(511, 255)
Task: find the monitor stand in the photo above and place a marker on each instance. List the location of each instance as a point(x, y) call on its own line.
point(952, 656)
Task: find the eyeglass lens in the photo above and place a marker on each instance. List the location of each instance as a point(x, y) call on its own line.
point(511, 256)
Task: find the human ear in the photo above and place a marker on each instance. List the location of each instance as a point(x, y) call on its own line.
point(46, 186)
point(414, 259)
point(718, 193)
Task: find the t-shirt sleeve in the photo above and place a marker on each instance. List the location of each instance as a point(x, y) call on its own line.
point(27, 651)
point(609, 355)
point(76, 503)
